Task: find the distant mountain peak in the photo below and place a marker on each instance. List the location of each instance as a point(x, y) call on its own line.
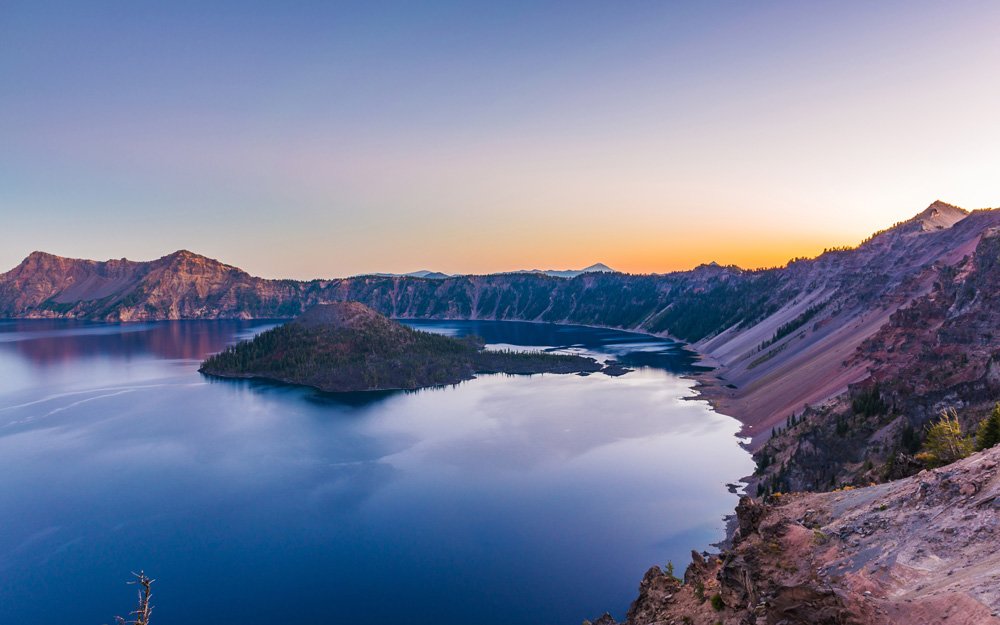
point(428, 274)
point(556, 273)
point(713, 268)
point(188, 254)
point(939, 215)
point(423, 273)
point(941, 205)
point(570, 273)
point(187, 258)
point(39, 256)
point(938, 208)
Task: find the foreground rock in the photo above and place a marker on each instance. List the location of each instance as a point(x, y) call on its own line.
point(923, 550)
point(347, 346)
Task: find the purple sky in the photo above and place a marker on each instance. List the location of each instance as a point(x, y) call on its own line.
point(333, 138)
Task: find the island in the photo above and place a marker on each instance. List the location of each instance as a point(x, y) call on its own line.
point(348, 347)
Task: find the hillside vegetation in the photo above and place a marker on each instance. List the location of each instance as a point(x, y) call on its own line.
point(346, 346)
point(911, 310)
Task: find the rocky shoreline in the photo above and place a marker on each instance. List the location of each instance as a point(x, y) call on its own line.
point(835, 364)
point(917, 551)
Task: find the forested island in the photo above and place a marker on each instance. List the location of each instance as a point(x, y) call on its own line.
point(346, 346)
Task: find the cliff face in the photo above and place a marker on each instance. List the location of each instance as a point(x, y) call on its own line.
point(918, 551)
point(942, 350)
point(784, 340)
point(855, 350)
point(188, 286)
point(181, 285)
point(807, 351)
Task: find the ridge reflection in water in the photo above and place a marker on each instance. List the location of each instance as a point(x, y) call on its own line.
point(536, 499)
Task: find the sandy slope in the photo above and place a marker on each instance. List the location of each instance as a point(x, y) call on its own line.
point(848, 296)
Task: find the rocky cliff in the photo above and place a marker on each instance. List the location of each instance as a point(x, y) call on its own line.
point(835, 364)
point(939, 351)
point(184, 285)
point(907, 309)
point(807, 351)
point(917, 551)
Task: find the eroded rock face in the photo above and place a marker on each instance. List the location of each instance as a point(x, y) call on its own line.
point(808, 604)
point(184, 285)
point(916, 303)
point(918, 551)
point(940, 351)
point(698, 569)
point(605, 619)
point(748, 515)
point(656, 595)
point(914, 308)
point(737, 581)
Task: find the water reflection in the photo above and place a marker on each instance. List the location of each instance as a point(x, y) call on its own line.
point(637, 350)
point(46, 342)
point(529, 499)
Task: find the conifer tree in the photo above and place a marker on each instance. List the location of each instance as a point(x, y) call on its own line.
point(988, 433)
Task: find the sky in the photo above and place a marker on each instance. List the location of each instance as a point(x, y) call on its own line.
point(323, 139)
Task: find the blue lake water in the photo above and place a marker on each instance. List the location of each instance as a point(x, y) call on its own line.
point(506, 499)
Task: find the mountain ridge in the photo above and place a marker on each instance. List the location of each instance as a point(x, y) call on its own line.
point(570, 273)
point(556, 273)
point(782, 340)
point(835, 365)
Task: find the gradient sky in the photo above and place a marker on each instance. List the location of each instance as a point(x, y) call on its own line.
point(300, 139)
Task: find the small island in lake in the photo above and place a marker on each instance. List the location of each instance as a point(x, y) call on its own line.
point(346, 346)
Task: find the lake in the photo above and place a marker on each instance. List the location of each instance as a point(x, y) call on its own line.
point(505, 499)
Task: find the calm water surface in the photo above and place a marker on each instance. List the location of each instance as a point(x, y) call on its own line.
point(529, 500)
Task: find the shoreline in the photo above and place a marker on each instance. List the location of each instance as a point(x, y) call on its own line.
point(704, 380)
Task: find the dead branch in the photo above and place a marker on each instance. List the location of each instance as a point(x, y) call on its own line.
point(140, 616)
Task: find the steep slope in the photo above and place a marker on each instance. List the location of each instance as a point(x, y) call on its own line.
point(918, 551)
point(782, 339)
point(806, 352)
point(940, 351)
point(48, 285)
point(182, 285)
point(835, 364)
point(186, 285)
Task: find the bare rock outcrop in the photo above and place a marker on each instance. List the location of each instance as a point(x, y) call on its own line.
point(940, 351)
point(917, 551)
